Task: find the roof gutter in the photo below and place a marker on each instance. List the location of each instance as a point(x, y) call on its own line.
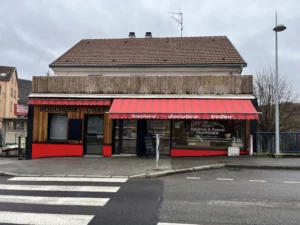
point(147, 65)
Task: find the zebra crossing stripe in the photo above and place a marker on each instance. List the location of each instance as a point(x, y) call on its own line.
point(70, 179)
point(175, 224)
point(59, 188)
point(42, 200)
point(43, 218)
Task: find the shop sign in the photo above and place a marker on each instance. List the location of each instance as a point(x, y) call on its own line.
point(21, 110)
point(22, 142)
point(207, 128)
point(58, 109)
point(182, 116)
point(221, 116)
point(143, 116)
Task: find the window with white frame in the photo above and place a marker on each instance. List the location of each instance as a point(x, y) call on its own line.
point(16, 126)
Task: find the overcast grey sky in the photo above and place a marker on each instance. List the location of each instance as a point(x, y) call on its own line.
point(33, 33)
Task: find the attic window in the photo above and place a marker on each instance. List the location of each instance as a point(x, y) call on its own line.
point(125, 41)
point(88, 42)
point(67, 60)
point(113, 60)
point(223, 58)
point(165, 60)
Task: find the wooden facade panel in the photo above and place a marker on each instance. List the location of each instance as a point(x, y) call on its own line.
point(108, 126)
point(41, 114)
point(223, 84)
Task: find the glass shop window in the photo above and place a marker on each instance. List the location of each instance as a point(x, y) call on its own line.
point(161, 127)
point(58, 124)
point(208, 134)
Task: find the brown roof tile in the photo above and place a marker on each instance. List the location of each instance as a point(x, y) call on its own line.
point(151, 51)
point(6, 72)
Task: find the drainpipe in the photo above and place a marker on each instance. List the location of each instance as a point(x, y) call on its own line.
point(5, 100)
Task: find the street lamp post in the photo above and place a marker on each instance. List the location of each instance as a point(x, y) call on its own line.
point(277, 28)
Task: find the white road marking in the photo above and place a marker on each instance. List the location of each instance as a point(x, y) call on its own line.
point(175, 224)
point(59, 188)
point(258, 181)
point(72, 179)
point(53, 200)
point(265, 204)
point(193, 178)
point(43, 218)
point(224, 179)
point(291, 182)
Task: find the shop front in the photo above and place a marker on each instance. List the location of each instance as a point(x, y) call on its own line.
point(187, 127)
point(64, 127)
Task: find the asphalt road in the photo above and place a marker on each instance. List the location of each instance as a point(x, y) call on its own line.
point(232, 197)
point(207, 197)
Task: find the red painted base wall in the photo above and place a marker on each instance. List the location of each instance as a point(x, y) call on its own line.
point(107, 150)
point(195, 152)
point(50, 150)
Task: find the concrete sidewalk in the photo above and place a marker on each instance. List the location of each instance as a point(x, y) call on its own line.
point(131, 166)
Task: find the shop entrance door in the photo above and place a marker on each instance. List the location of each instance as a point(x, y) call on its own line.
point(93, 134)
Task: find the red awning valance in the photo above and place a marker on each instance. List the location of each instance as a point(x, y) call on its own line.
point(87, 102)
point(214, 109)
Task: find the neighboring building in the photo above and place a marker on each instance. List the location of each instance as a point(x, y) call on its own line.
point(9, 91)
point(112, 96)
point(151, 56)
point(25, 87)
point(12, 129)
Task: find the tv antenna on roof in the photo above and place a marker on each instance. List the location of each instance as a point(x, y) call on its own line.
point(178, 20)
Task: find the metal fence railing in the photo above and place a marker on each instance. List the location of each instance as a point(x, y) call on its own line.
point(289, 142)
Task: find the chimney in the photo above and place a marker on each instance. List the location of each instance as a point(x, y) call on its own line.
point(131, 35)
point(148, 35)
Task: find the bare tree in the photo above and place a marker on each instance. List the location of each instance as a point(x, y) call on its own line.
point(264, 90)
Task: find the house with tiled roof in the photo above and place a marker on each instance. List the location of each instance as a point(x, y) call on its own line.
point(182, 95)
point(214, 55)
point(8, 91)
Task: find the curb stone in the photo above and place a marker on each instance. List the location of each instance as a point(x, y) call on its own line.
point(143, 175)
point(29, 175)
point(119, 176)
point(73, 175)
point(97, 176)
point(10, 174)
point(172, 172)
point(53, 175)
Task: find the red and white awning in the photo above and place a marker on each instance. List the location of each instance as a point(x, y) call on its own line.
point(208, 109)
